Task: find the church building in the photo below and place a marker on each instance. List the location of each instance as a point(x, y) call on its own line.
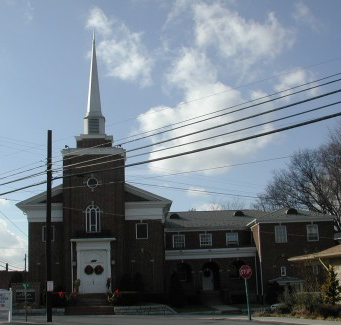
point(102, 227)
point(105, 230)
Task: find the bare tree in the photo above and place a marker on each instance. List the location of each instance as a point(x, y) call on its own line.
point(311, 181)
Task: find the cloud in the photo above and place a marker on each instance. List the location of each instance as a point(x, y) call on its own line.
point(245, 41)
point(191, 69)
point(13, 248)
point(25, 8)
point(292, 79)
point(196, 191)
point(209, 207)
point(121, 50)
point(4, 202)
point(303, 15)
point(99, 22)
point(188, 111)
point(195, 71)
point(28, 11)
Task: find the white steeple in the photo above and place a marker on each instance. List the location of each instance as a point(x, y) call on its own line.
point(94, 121)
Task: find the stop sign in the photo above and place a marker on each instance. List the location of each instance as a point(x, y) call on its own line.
point(245, 271)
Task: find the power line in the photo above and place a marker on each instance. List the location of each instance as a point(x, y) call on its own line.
point(234, 106)
point(38, 174)
point(323, 118)
point(13, 224)
point(82, 164)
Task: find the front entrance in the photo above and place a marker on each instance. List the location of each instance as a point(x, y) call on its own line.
point(94, 275)
point(210, 276)
point(207, 280)
point(93, 264)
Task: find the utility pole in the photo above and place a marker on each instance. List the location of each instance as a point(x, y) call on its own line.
point(25, 290)
point(48, 227)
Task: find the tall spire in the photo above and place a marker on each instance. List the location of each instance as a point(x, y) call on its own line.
point(94, 121)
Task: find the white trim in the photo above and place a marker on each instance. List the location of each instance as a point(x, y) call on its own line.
point(304, 219)
point(194, 254)
point(43, 235)
point(232, 243)
point(140, 224)
point(37, 213)
point(205, 243)
point(110, 151)
point(281, 235)
point(84, 245)
point(144, 210)
point(283, 271)
point(183, 241)
point(86, 240)
point(313, 225)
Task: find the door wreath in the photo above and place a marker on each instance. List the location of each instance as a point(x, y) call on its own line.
point(89, 270)
point(99, 269)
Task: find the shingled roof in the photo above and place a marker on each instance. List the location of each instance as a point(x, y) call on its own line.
point(237, 219)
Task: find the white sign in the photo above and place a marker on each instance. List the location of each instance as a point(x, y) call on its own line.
point(49, 286)
point(5, 300)
point(6, 303)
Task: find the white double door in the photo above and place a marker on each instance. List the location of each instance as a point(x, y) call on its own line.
point(93, 267)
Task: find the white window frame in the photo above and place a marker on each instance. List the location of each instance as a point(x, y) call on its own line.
point(93, 222)
point(312, 235)
point(136, 230)
point(205, 240)
point(43, 234)
point(283, 271)
point(178, 241)
point(281, 234)
point(232, 241)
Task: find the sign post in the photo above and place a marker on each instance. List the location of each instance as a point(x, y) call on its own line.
point(245, 272)
point(6, 302)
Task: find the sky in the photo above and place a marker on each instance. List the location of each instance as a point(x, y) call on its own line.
point(164, 67)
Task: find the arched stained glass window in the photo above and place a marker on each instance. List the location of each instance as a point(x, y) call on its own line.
point(93, 218)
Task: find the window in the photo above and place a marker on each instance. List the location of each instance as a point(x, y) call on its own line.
point(315, 269)
point(280, 234)
point(205, 240)
point(312, 233)
point(141, 231)
point(283, 271)
point(178, 241)
point(44, 233)
point(92, 183)
point(93, 218)
point(232, 239)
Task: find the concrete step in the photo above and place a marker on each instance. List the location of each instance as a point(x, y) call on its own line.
point(90, 310)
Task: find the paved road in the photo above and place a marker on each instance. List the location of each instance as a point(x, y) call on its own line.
point(162, 320)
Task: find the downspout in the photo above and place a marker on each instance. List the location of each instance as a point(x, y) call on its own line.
point(71, 267)
point(260, 263)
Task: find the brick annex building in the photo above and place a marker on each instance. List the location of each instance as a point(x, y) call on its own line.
point(104, 228)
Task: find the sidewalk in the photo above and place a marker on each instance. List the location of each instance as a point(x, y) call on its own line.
point(166, 320)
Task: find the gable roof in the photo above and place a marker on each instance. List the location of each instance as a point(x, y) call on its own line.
point(291, 215)
point(133, 194)
point(136, 194)
point(212, 219)
point(233, 219)
point(57, 197)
